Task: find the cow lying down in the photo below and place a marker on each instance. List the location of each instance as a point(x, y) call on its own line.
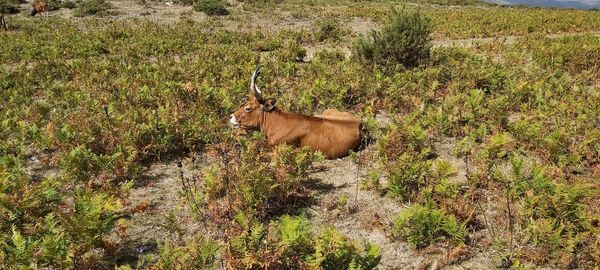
point(334, 133)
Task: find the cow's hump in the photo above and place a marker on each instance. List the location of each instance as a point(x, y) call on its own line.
point(334, 114)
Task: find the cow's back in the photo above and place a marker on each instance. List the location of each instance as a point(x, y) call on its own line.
point(335, 134)
point(334, 114)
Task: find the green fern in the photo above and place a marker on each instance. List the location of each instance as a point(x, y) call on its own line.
point(425, 225)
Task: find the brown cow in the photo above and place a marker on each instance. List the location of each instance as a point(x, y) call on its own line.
point(3, 23)
point(334, 133)
point(39, 6)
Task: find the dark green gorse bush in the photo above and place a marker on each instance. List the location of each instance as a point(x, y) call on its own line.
point(211, 7)
point(9, 6)
point(329, 29)
point(404, 41)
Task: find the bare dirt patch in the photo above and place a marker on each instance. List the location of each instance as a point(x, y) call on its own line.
point(445, 150)
point(371, 218)
point(162, 12)
point(362, 215)
point(507, 40)
point(361, 26)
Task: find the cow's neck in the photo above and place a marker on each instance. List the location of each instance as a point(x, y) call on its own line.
point(272, 121)
point(268, 119)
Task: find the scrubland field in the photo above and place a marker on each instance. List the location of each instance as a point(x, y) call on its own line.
point(482, 126)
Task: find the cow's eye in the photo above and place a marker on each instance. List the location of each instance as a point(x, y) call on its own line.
point(248, 109)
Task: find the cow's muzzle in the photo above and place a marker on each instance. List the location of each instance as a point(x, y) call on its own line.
point(233, 121)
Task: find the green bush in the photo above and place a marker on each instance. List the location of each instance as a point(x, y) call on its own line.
point(556, 220)
point(54, 5)
point(197, 253)
point(578, 55)
point(261, 186)
point(68, 4)
point(290, 243)
point(211, 7)
point(404, 151)
point(334, 251)
point(330, 56)
point(9, 6)
point(82, 164)
point(404, 40)
point(93, 7)
point(408, 175)
point(329, 29)
point(425, 225)
point(44, 223)
point(292, 51)
point(401, 138)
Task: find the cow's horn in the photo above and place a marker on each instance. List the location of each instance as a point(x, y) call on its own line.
point(255, 90)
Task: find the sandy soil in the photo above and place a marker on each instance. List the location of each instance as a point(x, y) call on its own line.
point(371, 217)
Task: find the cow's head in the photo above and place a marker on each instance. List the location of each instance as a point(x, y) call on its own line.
point(249, 115)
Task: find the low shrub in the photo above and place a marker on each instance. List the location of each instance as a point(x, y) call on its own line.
point(557, 221)
point(330, 56)
point(401, 138)
point(334, 251)
point(68, 4)
point(93, 7)
point(290, 243)
point(329, 29)
point(578, 55)
point(82, 164)
point(197, 253)
point(404, 40)
point(408, 176)
point(9, 6)
point(425, 225)
point(404, 152)
point(260, 183)
point(47, 223)
point(211, 7)
point(292, 51)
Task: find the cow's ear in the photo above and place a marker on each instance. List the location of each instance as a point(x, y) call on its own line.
point(268, 105)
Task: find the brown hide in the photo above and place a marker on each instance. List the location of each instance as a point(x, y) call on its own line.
point(337, 115)
point(39, 6)
point(333, 137)
point(333, 133)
